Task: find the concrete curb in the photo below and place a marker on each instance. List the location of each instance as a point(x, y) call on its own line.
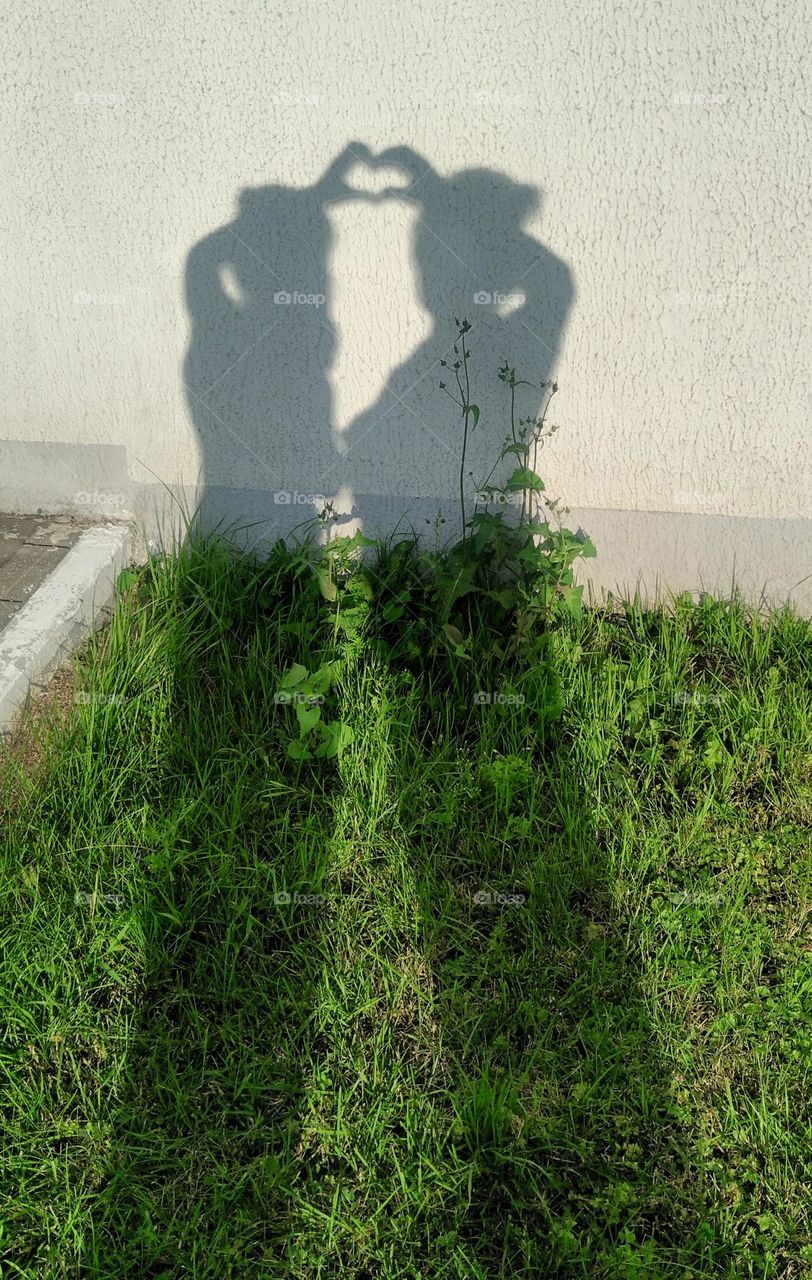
point(60, 614)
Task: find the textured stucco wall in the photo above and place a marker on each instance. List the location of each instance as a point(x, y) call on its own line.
point(634, 175)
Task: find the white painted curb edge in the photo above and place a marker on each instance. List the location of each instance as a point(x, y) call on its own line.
point(60, 614)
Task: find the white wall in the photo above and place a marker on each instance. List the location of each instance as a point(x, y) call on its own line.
point(639, 172)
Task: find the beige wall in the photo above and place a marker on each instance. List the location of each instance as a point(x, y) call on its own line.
point(635, 176)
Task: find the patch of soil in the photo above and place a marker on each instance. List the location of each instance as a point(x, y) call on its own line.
point(47, 708)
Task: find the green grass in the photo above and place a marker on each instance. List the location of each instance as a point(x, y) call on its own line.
point(544, 1007)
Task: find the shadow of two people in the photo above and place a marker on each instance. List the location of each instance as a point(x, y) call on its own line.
point(264, 342)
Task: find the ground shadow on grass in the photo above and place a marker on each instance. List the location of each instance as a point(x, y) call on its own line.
point(207, 1121)
point(564, 1149)
point(392, 1022)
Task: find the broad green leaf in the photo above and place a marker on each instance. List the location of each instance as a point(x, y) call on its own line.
point(715, 752)
point(351, 620)
point(126, 579)
point(326, 585)
point(505, 597)
point(531, 555)
point(335, 737)
point(307, 716)
point(359, 539)
point(294, 675)
point(573, 602)
point(319, 682)
point(524, 478)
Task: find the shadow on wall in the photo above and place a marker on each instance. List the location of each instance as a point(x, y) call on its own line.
point(264, 342)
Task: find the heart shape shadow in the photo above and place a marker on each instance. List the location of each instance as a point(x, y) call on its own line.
point(363, 175)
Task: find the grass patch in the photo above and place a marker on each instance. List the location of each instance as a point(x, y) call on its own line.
point(516, 982)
